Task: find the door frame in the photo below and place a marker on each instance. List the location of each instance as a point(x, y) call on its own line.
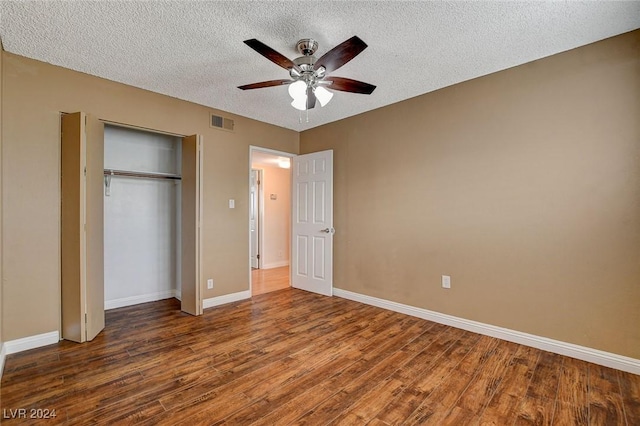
point(259, 219)
point(252, 149)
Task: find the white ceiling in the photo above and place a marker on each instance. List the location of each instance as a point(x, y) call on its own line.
point(193, 50)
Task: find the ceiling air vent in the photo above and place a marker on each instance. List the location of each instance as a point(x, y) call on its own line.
point(221, 123)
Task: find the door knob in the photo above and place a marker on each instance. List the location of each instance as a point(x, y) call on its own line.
point(328, 231)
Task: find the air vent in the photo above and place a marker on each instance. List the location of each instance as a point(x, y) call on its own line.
point(221, 123)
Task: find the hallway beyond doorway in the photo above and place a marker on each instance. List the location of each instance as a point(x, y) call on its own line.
point(268, 280)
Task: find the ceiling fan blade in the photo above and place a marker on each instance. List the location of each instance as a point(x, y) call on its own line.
point(349, 85)
point(270, 54)
point(341, 54)
point(311, 98)
point(262, 84)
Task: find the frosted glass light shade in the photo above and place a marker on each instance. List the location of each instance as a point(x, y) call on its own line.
point(300, 102)
point(298, 89)
point(323, 95)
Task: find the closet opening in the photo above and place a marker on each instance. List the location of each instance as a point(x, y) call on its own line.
point(142, 216)
point(131, 205)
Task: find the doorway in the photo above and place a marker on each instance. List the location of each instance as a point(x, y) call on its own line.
point(269, 220)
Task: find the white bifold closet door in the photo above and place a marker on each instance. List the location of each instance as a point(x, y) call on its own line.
point(82, 261)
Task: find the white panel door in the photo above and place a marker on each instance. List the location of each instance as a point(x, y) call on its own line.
point(312, 227)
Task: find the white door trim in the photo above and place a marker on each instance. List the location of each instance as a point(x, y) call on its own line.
point(259, 201)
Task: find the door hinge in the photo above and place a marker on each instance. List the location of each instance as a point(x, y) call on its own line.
point(258, 256)
point(258, 183)
point(85, 171)
point(85, 318)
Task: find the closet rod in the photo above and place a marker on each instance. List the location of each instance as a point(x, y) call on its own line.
point(146, 175)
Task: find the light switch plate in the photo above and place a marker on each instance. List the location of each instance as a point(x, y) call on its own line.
point(446, 281)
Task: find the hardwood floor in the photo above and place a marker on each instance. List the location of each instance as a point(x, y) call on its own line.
point(292, 357)
point(268, 280)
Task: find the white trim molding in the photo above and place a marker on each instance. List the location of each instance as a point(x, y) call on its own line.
point(227, 298)
point(143, 298)
point(3, 355)
point(278, 264)
point(31, 342)
point(583, 353)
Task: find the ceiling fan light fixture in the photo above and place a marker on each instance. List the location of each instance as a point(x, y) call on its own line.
point(308, 73)
point(284, 163)
point(298, 90)
point(300, 103)
point(323, 95)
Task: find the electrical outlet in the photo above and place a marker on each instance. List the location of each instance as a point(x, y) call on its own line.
point(446, 281)
point(209, 283)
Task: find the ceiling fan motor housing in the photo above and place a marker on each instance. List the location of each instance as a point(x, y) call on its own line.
point(305, 65)
point(307, 46)
point(305, 70)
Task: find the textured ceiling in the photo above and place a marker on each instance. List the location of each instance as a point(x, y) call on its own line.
point(193, 50)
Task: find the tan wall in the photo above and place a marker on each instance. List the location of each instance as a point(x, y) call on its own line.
point(277, 215)
point(34, 95)
point(523, 185)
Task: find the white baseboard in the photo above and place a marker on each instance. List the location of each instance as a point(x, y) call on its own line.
point(595, 356)
point(275, 264)
point(31, 342)
point(3, 355)
point(227, 298)
point(136, 300)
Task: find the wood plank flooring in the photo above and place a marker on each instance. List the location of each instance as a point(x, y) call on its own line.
point(268, 280)
point(292, 357)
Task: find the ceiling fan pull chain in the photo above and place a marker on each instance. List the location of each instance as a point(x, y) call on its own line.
point(300, 116)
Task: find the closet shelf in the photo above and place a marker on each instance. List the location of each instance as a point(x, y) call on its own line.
point(143, 175)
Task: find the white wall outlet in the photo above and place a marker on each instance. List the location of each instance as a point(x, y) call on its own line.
point(209, 283)
point(232, 203)
point(446, 281)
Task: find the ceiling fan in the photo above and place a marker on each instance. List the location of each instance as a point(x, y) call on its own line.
point(309, 76)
